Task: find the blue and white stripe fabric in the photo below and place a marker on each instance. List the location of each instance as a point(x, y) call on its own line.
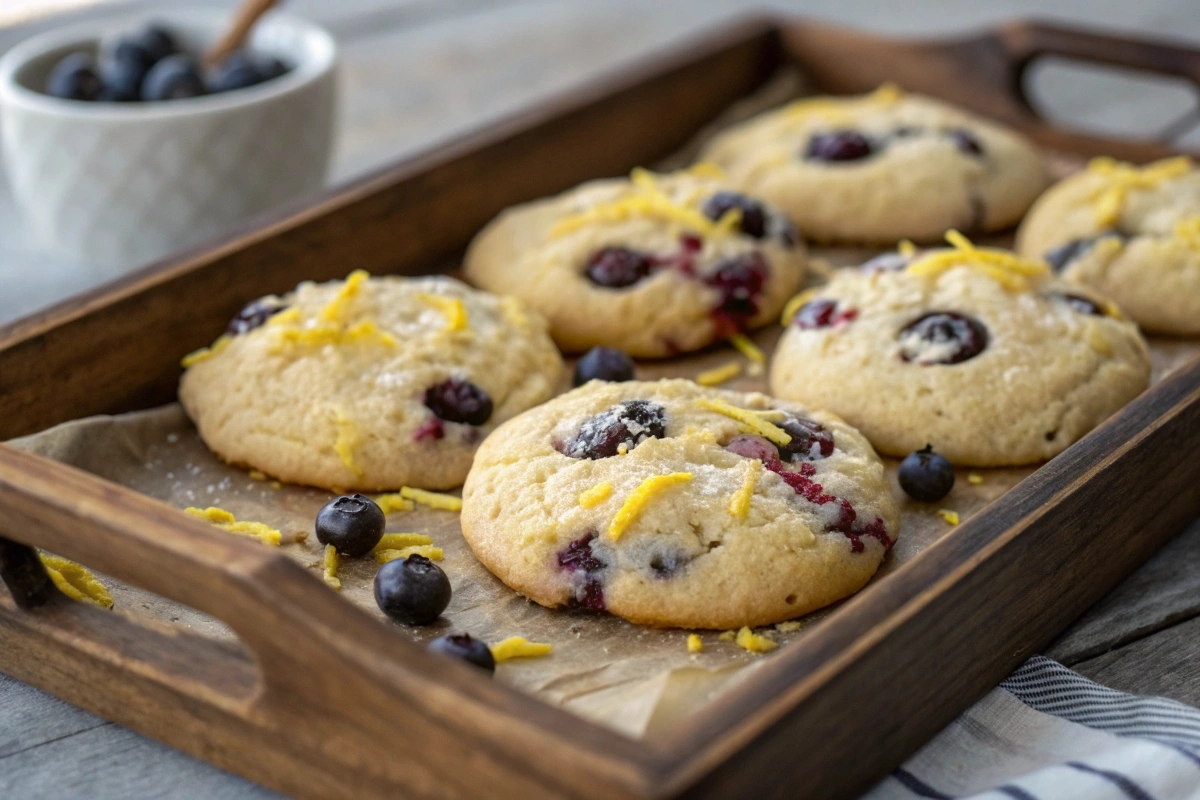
point(1047, 733)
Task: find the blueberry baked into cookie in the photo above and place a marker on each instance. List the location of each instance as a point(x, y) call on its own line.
point(669, 504)
point(653, 265)
point(1130, 232)
point(978, 352)
point(877, 168)
point(368, 383)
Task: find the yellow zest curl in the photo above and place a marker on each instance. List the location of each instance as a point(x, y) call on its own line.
point(718, 375)
point(948, 515)
point(347, 440)
point(393, 502)
point(794, 305)
point(595, 495)
point(637, 500)
point(648, 200)
point(205, 353)
point(749, 419)
point(1108, 201)
point(974, 478)
point(454, 309)
point(1009, 270)
point(749, 640)
point(834, 108)
point(438, 500)
point(748, 348)
point(694, 643)
point(226, 522)
point(76, 581)
point(399, 541)
point(426, 550)
point(518, 647)
point(331, 568)
point(739, 504)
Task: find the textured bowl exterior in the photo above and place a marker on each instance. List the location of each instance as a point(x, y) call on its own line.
point(117, 185)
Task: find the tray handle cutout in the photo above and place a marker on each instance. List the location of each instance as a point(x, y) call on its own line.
point(1028, 43)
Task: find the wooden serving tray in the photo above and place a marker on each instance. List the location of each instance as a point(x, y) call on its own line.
point(325, 701)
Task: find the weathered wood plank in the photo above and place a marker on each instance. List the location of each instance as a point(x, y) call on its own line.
point(1167, 664)
point(30, 718)
point(115, 762)
point(1163, 593)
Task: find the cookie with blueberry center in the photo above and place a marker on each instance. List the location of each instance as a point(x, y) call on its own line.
point(669, 504)
point(1132, 233)
point(878, 168)
point(975, 351)
point(369, 383)
point(654, 265)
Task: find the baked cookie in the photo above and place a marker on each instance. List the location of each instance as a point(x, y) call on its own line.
point(654, 265)
point(1130, 232)
point(368, 383)
point(973, 350)
point(669, 504)
point(878, 168)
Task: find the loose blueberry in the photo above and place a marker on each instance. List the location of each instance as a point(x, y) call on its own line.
point(822, 313)
point(412, 590)
point(254, 315)
point(740, 281)
point(926, 476)
point(754, 215)
point(455, 400)
point(965, 141)
point(843, 145)
point(942, 337)
point(810, 441)
point(618, 267)
point(466, 647)
point(603, 364)
point(631, 423)
point(353, 524)
point(75, 78)
point(1079, 303)
point(173, 78)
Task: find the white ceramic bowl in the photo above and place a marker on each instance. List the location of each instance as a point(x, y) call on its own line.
point(118, 184)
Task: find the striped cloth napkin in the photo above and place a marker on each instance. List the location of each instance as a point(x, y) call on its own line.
point(1047, 733)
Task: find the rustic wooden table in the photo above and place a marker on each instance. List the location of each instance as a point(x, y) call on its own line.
point(418, 71)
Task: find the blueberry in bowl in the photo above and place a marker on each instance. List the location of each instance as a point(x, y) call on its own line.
point(202, 149)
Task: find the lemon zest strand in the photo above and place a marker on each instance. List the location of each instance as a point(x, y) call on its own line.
point(205, 353)
point(795, 304)
point(694, 643)
point(330, 562)
point(399, 541)
point(640, 497)
point(748, 348)
point(1009, 270)
point(749, 419)
point(393, 502)
point(438, 500)
point(454, 309)
point(1108, 200)
point(347, 440)
point(76, 581)
point(426, 550)
point(948, 515)
point(519, 647)
point(595, 495)
point(718, 375)
point(749, 640)
point(226, 522)
point(739, 504)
